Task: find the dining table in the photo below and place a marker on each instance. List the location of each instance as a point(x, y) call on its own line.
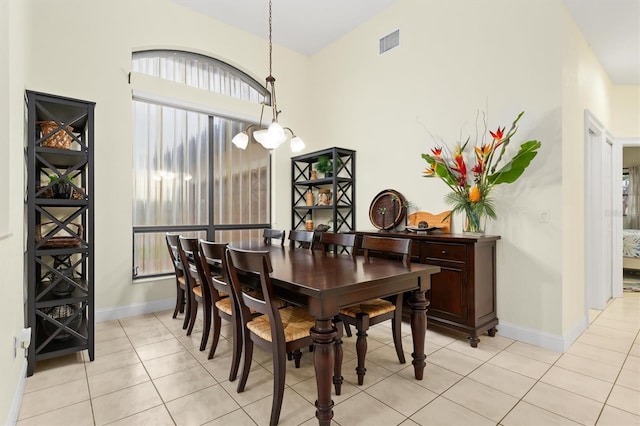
point(324, 283)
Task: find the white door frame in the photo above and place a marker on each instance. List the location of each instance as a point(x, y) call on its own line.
point(598, 288)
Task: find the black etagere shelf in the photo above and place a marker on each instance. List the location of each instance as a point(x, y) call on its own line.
point(337, 208)
point(60, 241)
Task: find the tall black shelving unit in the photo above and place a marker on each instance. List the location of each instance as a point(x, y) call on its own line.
point(341, 182)
point(60, 240)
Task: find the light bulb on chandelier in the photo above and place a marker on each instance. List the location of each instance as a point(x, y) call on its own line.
point(275, 135)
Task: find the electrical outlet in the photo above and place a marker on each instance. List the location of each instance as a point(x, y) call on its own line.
point(22, 341)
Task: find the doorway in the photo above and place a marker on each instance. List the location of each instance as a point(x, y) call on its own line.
point(630, 160)
point(603, 215)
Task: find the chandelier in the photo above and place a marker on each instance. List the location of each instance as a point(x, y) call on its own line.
point(275, 135)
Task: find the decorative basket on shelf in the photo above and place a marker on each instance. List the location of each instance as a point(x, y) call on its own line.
point(59, 139)
point(61, 314)
point(48, 193)
point(58, 241)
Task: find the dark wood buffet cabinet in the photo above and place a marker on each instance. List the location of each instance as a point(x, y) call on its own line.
point(463, 294)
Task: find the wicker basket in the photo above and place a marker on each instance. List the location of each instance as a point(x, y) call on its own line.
point(48, 193)
point(59, 139)
point(61, 314)
point(61, 241)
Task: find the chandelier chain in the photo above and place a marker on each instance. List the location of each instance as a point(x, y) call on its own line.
point(270, 43)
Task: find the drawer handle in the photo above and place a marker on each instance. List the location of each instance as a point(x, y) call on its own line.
point(444, 252)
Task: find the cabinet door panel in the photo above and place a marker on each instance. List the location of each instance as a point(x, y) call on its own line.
point(448, 294)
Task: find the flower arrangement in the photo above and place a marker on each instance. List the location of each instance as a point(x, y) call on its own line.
point(471, 187)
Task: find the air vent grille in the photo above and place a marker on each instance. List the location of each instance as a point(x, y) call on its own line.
point(389, 41)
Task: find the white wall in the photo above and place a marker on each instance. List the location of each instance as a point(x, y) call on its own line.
point(452, 62)
point(13, 16)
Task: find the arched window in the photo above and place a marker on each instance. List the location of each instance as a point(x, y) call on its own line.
point(188, 176)
point(202, 72)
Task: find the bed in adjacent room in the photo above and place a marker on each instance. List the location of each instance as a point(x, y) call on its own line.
point(631, 248)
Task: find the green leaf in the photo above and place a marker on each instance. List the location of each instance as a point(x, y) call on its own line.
point(511, 171)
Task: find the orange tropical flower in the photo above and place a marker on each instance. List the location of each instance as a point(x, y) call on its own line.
point(474, 194)
point(428, 171)
point(437, 151)
point(483, 150)
point(498, 134)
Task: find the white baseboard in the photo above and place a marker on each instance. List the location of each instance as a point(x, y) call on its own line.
point(14, 411)
point(133, 310)
point(554, 342)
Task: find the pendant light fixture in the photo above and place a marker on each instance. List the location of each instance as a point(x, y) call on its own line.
point(275, 135)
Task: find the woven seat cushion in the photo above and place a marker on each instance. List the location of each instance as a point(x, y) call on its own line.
point(296, 322)
point(197, 291)
point(373, 308)
point(225, 305)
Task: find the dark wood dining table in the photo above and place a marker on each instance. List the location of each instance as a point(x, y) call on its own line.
point(325, 283)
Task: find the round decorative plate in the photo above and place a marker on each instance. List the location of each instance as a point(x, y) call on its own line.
point(387, 209)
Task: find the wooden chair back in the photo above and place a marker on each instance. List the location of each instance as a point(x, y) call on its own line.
point(388, 245)
point(172, 246)
point(241, 263)
point(214, 268)
point(273, 234)
point(339, 242)
point(301, 239)
point(192, 263)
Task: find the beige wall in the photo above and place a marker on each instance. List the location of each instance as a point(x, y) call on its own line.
point(452, 62)
point(630, 157)
point(626, 111)
point(13, 16)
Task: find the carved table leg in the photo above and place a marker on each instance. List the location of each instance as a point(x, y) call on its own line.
point(418, 304)
point(324, 334)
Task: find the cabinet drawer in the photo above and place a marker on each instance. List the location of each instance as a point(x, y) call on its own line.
point(446, 251)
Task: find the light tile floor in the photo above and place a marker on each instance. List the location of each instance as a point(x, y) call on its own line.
point(147, 372)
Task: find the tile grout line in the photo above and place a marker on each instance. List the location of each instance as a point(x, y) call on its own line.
point(617, 377)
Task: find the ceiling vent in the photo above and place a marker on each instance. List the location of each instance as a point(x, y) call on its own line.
point(389, 41)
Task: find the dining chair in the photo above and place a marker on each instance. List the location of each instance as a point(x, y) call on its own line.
point(214, 276)
point(195, 293)
point(278, 331)
point(225, 307)
point(172, 246)
point(338, 243)
point(273, 234)
point(301, 239)
point(375, 311)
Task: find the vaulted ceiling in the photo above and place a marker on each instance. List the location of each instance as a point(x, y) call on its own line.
point(610, 27)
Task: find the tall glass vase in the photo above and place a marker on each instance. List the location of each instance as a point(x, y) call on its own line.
point(473, 221)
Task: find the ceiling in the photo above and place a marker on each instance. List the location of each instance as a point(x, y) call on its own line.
point(610, 27)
